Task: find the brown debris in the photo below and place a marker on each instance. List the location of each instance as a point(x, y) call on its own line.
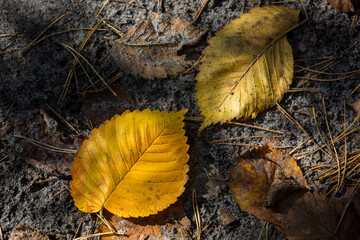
point(22, 232)
point(154, 48)
point(345, 5)
point(313, 216)
point(100, 105)
point(37, 125)
point(356, 107)
point(149, 227)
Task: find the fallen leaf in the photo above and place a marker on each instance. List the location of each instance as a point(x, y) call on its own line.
point(345, 5)
point(356, 107)
point(309, 215)
point(247, 67)
point(152, 227)
point(100, 105)
point(133, 165)
point(261, 177)
point(22, 232)
point(155, 47)
point(37, 125)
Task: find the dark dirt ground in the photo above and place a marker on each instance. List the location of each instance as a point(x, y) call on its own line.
point(34, 78)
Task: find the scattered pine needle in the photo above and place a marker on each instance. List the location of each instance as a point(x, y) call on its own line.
point(72, 70)
point(352, 195)
point(102, 8)
point(292, 151)
point(133, 4)
point(2, 159)
point(66, 31)
point(333, 144)
point(59, 192)
point(237, 144)
point(249, 137)
point(101, 234)
point(203, 4)
point(113, 27)
point(105, 221)
point(63, 119)
point(44, 31)
point(302, 90)
point(195, 64)
point(87, 62)
point(351, 31)
point(78, 229)
point(46, 146)
point(256, 127)
point(46, 180)
point(196, 215)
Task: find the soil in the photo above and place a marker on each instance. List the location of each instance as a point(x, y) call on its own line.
point(34, 78)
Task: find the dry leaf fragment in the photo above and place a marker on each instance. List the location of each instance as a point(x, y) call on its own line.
point(100, 105)
point(261, 177)
point(345, 5)
point(356, 107)
point(153, 48)
point(152, 227)
point(22, 232)
point(133, 165)
point(37, 125)
point(247, 67)
point(309, 215)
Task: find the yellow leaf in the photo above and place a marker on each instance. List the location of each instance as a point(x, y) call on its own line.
point(247, 67)
point(133, 165)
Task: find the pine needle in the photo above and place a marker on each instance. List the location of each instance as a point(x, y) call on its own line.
point(197, 15)
point(256, 127)
point(196, 215)
point(43, 32)
point(102, 8)
point(63, 119)
point(87, 62)
point(46, 146)
point(101, 234)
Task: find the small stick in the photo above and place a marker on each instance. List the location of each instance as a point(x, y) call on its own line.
point(256, 127)
point(46, 180)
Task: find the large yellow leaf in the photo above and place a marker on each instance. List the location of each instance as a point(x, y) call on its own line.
point(247, 67)
point(134, 165)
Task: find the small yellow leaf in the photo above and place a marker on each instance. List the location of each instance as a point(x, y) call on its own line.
point(133, 165)
point(247, 67)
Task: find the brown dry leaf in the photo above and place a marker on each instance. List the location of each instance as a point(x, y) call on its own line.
point(22, 232)
point(154, 48)
point(345, 5)
point(356, 107)
point(37, 125)
point(100, 105)
point(261, 177)
point(309, 215)
point(152, 227)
